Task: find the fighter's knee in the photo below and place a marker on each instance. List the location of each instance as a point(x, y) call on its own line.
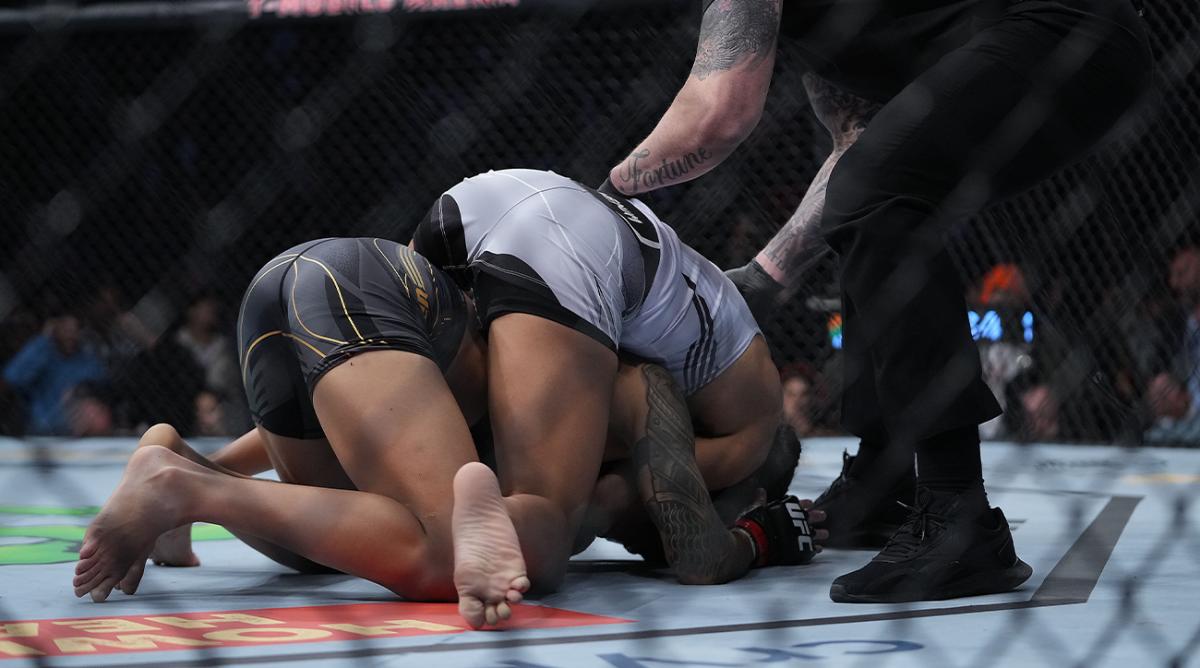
point(160, 434)
point(423, 588)
point(420, 579)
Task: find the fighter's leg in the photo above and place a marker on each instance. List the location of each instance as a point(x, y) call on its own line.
point(550, 391)
point(300, 461)
point(406, 428)
point(174, 547)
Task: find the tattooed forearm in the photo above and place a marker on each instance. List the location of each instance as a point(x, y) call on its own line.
point(734, 31)
point(697, 545)
point(797, 247)
point(844, 114)
point(639, 173)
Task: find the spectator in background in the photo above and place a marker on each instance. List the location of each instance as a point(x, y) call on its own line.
point(1033, 409)
point(1176, 415)
point(1003, 285)
point(798, 389)
point(1185, 282)
point(1040, 407)
point(1174, 394)
point(90, 411)
point(15, 331)
point(116, 333)
point(210, 417)
point(213, 351)
point(160, 384)
point(46, 371)
point(1001, 290)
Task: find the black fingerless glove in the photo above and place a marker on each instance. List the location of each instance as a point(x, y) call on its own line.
point(760, 291)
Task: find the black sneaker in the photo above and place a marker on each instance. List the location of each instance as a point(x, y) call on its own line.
point(951, 545)
point(863, 514)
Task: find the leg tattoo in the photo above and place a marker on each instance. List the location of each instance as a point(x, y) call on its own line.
point(697, 544)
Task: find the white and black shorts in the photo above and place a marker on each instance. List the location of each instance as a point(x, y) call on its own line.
point(534, 242)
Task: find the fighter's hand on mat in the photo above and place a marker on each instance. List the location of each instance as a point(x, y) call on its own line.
point(782, 531)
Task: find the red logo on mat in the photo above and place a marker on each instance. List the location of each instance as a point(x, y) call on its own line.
point(240, 628)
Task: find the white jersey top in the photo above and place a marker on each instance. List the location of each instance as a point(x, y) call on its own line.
point(607, 266)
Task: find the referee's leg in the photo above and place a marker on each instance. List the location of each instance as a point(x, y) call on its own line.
point(1026, 96)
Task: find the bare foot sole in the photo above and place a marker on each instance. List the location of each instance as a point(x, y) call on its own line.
point(122, 536)
point(489, 571)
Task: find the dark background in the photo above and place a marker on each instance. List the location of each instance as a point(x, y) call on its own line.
point(165, 161)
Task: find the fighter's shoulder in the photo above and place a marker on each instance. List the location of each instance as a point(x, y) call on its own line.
point(516, 181)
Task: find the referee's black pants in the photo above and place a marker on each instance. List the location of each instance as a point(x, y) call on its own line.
point(1027, 95)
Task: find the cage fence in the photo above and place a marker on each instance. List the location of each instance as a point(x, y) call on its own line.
point(155, 155)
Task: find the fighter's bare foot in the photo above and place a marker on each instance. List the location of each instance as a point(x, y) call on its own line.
point(173, 548)
point(122, 535)
point(489, 571)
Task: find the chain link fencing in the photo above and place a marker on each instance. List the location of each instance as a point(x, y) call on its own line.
point(156, 155)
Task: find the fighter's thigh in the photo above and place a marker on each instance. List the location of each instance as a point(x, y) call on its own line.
point(745, 399)
point(304, 461)
point(395, 428)
point(549, 391)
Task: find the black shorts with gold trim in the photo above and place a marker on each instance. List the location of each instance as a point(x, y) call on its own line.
point(321, 302)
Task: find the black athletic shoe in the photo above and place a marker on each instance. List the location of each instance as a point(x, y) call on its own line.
point(863, 514)
point(951, 545)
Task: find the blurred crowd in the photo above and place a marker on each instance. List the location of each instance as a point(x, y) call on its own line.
point(95, 367)
point(1137, 381)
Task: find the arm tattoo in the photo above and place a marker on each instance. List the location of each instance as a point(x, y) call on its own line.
point(844, 114)
point(798, 247)
point(733, 31)
point(697, 544)
point(639, 173)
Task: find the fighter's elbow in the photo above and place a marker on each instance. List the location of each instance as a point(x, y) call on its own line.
point(724, 129)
